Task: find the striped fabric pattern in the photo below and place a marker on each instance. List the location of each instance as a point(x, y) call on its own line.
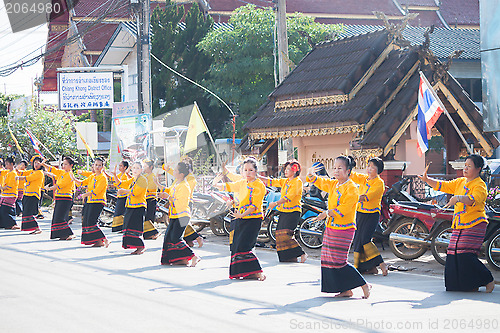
point(336, 244)
point(467, 240)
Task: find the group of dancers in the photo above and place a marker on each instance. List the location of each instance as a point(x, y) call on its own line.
point(353, 210)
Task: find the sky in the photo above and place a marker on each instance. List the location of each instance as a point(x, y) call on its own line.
point(13, 48)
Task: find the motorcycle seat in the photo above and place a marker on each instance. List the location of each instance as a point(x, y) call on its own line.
point(417, 205)
point(314, 202)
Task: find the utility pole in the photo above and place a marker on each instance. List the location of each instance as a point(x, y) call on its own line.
point(283, 68)
point(144, 57)
point(282, 40)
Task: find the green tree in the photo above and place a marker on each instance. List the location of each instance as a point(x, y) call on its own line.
point(52, 128)
point(242, 67)
point(176, 47)
point(4, 102)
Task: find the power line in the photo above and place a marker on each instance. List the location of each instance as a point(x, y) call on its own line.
point(193, 82)
point(9, 69)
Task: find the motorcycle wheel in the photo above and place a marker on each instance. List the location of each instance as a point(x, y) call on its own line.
point(493, 251)
point(273, 224)
point(312, 241)
point(198, 213)
point(408, 251)
point(437, 248)
point(227, 226)
point(217, 226)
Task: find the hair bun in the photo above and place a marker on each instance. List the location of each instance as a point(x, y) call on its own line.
point(352, 162)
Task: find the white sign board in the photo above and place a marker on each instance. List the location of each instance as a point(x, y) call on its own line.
point(89, 133)
point(125, 109)
point(84, 91)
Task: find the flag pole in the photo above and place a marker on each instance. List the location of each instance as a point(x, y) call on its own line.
point(447, 114)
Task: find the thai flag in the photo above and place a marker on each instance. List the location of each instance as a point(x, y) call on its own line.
point(34, 142)
point(429, 110)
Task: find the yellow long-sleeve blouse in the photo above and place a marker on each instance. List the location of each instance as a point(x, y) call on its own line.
point(250, 194)
point(10, 183)
point(373, 189)
point(65, 186)
point(137, 196)
point(342, 199)
point(291, 190)
point(466, 216)
point(180, 195)
point(121, 183)
point(97, 186)
point(152, 189)
point(191, 179)
point(34, 183)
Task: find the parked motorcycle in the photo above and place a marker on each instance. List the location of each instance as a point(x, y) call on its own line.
point(413, 226)
point(491, 244)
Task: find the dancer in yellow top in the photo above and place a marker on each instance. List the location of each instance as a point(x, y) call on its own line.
point(34, 180)
point(290, 208)
point(337, 275)
point(133, 220)
point(150, 231)
point(463, 270)
point(97, 184)
point(120, 181)
point(190, 235)
point(247, 223)
point(371, 189)
point(64, 188)
point(21, 171)
point(8, 186)
point(175, 250)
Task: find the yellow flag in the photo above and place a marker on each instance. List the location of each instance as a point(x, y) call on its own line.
point(15, 140)
point(89, 151)
point(196, 127)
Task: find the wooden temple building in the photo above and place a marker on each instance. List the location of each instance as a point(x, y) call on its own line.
point(358, 96)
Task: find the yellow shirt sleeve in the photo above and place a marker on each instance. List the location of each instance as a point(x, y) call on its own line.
point(233, 187)
point(323, 183)
point(358, 178)
point(448, 186)
point(276, 182)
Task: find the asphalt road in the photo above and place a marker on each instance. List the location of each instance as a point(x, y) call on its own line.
point(63, 286)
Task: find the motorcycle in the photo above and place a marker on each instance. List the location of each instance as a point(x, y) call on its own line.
point(491, 243)
point(206, 209)
point(311, 230)
point(413, 226)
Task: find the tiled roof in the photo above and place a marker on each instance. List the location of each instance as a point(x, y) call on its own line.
point(319, 72)
point(358, 110)
point(96, 8)
point(443, 41)
point(374, 95)
point(461, 12)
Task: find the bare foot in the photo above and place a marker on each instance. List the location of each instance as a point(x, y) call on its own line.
point(366, 290)
point(70, 221)
point(383, 267)
point(70, 237)
point(347, 293)
point(303, 258)
point(15, 227)
point(194, 261)
point(106, 242)
point(36, 232)
point(490, 286)
point(155, 236)
point(139, 250)
point(98, 244)
point(199, 240)
point(190, 243)
point(261, 277)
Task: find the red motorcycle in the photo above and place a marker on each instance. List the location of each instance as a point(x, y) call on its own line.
point(413, 226)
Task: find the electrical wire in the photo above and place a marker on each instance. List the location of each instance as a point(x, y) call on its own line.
point(9, 69)
point(193, 82)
